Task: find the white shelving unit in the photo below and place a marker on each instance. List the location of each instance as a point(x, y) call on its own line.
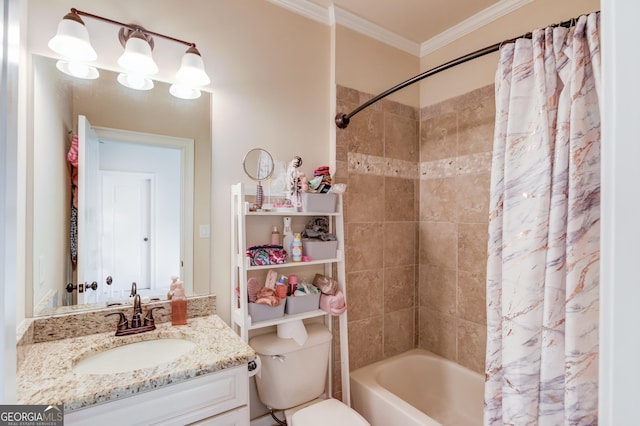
point(251, 228)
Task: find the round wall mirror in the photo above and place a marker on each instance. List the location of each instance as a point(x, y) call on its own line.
point(258, 164)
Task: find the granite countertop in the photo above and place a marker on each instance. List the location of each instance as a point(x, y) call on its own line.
point(46, 375)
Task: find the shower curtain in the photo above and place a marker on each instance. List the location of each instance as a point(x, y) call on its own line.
point(543, 250)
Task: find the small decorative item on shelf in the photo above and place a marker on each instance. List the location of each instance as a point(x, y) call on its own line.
point(266, 255)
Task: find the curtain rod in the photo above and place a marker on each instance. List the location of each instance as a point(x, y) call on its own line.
point(342, 120)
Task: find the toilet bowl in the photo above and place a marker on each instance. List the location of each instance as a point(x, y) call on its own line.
point(292, 378)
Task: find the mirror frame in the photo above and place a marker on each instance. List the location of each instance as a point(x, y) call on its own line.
point(258, 151)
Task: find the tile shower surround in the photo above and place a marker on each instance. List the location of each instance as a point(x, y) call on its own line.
point(416, 231)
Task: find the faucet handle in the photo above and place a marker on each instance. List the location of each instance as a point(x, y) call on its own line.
point(148, 319)
point(122, 323)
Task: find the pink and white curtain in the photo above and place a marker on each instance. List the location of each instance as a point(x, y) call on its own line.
point(543, 251)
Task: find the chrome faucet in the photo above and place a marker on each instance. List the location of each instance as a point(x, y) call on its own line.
point(138, 325)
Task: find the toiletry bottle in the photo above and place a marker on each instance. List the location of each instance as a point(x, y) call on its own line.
point(172, 286)
point(179, 306)
point(275, 237)
point(287, 236)
point(281, 287)
point(296, 249)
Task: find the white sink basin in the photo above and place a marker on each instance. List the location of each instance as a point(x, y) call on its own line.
point(134, 356)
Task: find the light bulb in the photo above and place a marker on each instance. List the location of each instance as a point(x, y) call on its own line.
point(135, 81)
point(78, 69)
point(184, 92)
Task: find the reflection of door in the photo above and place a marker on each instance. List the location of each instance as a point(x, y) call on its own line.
point(88, 202)
point(169, 161)
point(127, 240)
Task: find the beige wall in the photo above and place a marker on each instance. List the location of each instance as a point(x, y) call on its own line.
point(480, 72)
point(372, 67)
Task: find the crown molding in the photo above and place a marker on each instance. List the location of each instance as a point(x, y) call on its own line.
point(336, 15)
point(307, 9)
point(347, 19)
point(356, 23)
point(480, 19)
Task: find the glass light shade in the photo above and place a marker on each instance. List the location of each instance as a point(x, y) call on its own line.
point(135, 81)
point(137, 58)
point(184, 92)
point(72, 40)
point(191, 72)
point(78, 70)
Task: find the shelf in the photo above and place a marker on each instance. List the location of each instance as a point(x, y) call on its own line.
point(293, 264)
point(287, 318)
point(291, 214)
point(243, 224)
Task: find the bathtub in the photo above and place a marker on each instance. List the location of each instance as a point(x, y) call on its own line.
point(418, 388)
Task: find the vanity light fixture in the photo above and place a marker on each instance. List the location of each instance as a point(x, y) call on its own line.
point(72, 42)
point(72, 39)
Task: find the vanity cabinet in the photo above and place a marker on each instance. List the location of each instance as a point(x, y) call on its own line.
point(252, 228)
point(214, 399)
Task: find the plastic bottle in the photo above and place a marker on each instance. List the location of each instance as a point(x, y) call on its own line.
point(281, 287)
point(172, 286)
point(179, 306)
point(275, 237)
point(287, 239)
point(296, 249)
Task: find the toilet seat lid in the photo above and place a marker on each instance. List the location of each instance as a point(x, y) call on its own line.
point(328, 412)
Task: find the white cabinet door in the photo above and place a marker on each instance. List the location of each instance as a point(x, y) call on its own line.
point(180, 404)
point(239, 417)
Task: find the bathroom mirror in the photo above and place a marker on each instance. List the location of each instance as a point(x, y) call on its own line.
point(157, 124)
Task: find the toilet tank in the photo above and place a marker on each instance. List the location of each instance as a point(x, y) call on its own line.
point(292, 374)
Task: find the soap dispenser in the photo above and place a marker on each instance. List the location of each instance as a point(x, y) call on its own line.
point(172, 286)
point(179, 306)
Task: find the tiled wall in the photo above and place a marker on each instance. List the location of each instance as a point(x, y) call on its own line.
point(416, 225)
point(377, 158)
point(456, 141)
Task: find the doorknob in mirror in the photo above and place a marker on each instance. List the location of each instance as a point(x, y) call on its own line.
point(81, 287)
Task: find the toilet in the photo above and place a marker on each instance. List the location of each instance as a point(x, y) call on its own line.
point(292, 378)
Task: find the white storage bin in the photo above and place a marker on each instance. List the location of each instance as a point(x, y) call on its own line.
point(318, 249)
point(260, 312)
point(319, 202)
point(300, 304)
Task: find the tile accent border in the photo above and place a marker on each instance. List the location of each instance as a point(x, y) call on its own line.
point(447, 167)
